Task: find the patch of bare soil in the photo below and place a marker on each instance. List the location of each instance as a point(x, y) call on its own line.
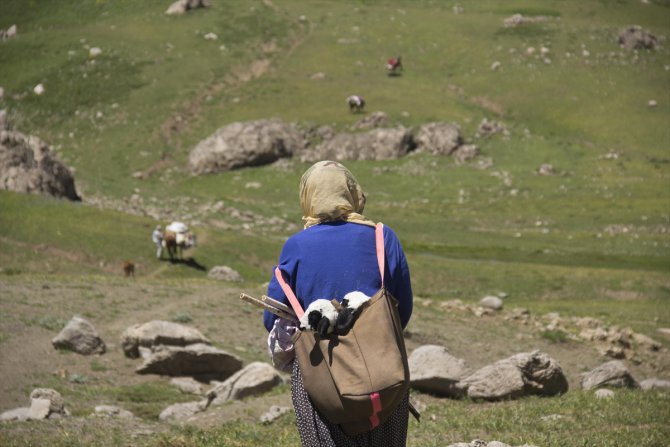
point(32, 307)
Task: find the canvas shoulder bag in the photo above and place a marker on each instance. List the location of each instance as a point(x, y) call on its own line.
point(357, 379)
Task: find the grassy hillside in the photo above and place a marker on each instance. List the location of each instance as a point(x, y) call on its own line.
point(591, 240)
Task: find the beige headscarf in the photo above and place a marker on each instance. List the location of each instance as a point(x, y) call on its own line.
point(329, 192)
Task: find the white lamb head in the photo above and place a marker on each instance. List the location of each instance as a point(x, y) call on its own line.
point(352, 303)
point(320, 316)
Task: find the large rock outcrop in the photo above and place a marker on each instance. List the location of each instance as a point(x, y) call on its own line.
point(433, 370)
point(242, 144)
point(200, 361)
point(158, 332)
point(79, 336)
point(524, 374)
point(439, 138)
point(611, 374)
point(636, 38)
point(27, 165)
point(376, 144)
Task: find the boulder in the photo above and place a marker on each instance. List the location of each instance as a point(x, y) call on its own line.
point(79, 336)
point(255, 378)
point(243, 144)
point(187, 385)
point(524, 374)
point(546, 169)
point(8, 33)
point(604, 393)
point(372, 121)
point(611, 374)
point(491, 302)
point(487, 128)
point(655, 384)
point(433, 370)
point(27, 165)
point(224, 273)
point(56, 405)
point(39, 408)
point(636, 38)
point(275, 412)
point(182, 411)
point(158, 332)
point(200, 361)
point(376, 144)
point(438, 138)
point(465, 152)
point(17, 414)
point(113, 411)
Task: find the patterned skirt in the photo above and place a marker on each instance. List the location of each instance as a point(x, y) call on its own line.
point(316, 431)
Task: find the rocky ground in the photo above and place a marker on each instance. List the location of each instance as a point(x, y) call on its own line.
point(35, 310)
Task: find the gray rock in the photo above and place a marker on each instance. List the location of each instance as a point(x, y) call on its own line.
point(636, 38)
point(158, 332)
point(79, 336)
point(243, 144)
point(655, 384)
point(491, 302)
point(610, 374)
point(39, 408)
point(524, 374)
point(465, 152)
point(438, 138)
point(27, 165)
point(274, 413)
point(113, 411)
point(497, 444)
point(188, 385)
point(433, 370)
point(604, 393)
point(181, 412)
point(546, 169)
point(376, 144)
point(224, 273)
point(8, 33)
point(256, 378)
point(372, 121)
point(200, 361)
point(56, 402)
point(17, 414)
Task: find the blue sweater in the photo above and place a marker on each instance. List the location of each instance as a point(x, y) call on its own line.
point(332, 259)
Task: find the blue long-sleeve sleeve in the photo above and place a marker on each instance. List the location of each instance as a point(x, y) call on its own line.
point(330, 260)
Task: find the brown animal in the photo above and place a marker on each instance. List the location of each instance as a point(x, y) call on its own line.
point(175, 243)
point(129, 268)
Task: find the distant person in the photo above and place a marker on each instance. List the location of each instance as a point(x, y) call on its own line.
point(393, 65)
point(157, 238)
point(356, 103)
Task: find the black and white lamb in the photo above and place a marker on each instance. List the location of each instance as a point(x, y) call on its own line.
point(352, 304)
point(320, 316)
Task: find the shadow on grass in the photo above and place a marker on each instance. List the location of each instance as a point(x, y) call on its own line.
point(189, 262)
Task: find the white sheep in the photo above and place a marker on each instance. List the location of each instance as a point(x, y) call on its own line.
point(320, 316)
point(352, 304)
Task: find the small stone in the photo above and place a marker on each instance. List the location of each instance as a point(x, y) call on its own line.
point(604, 393)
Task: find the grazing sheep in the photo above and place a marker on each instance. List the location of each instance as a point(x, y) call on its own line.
point(356, 103)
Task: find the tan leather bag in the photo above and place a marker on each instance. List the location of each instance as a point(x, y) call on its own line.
point(356, 380)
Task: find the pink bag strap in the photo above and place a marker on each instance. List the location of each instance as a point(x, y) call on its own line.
point(295, 304)
point(379, 241)
point(289, 294)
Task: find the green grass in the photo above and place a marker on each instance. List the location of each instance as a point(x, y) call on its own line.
point(591, 240)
